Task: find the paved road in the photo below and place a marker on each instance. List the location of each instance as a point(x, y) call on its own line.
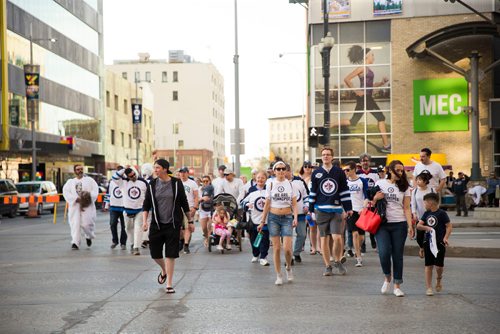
point(47, 288)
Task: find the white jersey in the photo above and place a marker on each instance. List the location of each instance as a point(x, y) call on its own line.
point(301, 194)
point(115, 195)
point(358, 189)
point(134, 192)
point(280, 193)
point(255, 201)
point(371, 176)
point(216, 183)
point(394, 197)
point(190, 187)
point(417, 200)
point(434, 168)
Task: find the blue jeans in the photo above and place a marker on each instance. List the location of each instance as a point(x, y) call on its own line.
point(280, 225)
point(263, 249)
point(300, 239)
point(391, 239)
point(114, 216)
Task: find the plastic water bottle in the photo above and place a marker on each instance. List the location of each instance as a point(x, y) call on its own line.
point(310, 220)
point(257, 241)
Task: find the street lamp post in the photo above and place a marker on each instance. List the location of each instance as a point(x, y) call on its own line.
point(137, 120)
point(32, 80)
point(237, 141)
point(325, 46)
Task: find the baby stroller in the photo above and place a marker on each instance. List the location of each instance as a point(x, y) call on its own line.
point(231, 206)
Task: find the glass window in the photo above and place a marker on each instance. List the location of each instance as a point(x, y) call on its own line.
point(112, 137)
point(351, 33)
point(378, 31)
point(61, 20)
point(175, 78)
point(125, 106)
point(148, 76)
point(124, 75)
point(180, 144)
point(92, 3)
point(53, 67)
point(175, 96)
point(122, 136)
point(130, 141)
point(197, 161)
point(163, 76)
point(63, 122)
point(108, 99)
point(137, 76)
point(116, 103)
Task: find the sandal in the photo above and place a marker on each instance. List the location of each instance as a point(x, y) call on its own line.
point(169, 290)
point(162, 278)
point(312, 252)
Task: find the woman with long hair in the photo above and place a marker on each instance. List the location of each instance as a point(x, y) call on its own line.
point(391, 235)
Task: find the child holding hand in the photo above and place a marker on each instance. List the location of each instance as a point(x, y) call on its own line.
point(434, 220)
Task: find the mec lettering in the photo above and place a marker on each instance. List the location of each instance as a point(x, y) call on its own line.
point(440, 105)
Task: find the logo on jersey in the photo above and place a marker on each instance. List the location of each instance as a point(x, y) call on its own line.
point(328, 187)
point(390, 189)
point(431, 221)
point(78, 188)
point(187, 189)
point(354, 188)
point(117, 193)
point(281, 189)
point(134, 192)
point(259, 203)
point(371, 182)
point(319, 175)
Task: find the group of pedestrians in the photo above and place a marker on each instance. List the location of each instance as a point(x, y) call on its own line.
point(157, 208)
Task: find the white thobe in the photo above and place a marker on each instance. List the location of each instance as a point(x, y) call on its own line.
point(79, 219)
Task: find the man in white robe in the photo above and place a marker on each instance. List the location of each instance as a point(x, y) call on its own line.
point(81, 218)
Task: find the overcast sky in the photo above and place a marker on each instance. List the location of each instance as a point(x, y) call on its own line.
point(270, 86)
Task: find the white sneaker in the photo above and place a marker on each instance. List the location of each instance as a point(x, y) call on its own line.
point(289, 274)
point(255, 259)
point(219, 247)
point(264, 262)
point(385, 287)
point(359, 262)
point(398, 292)
point(331, 258)
point(279, 280)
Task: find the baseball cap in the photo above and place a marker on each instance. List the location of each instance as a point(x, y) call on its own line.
point(223, 167)
point(228, 171)
point(307, 163)
point(380, 169)
point(184, 170)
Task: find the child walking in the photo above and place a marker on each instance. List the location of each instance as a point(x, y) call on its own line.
point(434, 221)
point(222, 228)
point(418, 209)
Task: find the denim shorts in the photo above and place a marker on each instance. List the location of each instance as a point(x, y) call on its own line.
point(280, 225)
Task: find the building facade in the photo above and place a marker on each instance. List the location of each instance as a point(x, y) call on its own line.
point(67, 43)
point(120, 145)
point(286, 140)
point(188, 105)
point(384, 95)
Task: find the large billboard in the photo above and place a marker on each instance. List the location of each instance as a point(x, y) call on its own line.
point(438, 105)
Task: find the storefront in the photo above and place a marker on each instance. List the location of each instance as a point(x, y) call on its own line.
point(382, 101)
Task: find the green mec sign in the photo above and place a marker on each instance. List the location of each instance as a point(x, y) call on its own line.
point(438, 105)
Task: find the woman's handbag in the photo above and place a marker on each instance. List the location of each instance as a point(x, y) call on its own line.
point(369, 220)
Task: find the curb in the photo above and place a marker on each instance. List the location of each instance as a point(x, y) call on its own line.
point(460, 251)
point(476, 224)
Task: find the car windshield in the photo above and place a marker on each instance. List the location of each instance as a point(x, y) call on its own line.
point(28, 188)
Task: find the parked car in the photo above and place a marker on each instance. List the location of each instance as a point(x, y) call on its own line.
point(7, 188)
point(37, 188)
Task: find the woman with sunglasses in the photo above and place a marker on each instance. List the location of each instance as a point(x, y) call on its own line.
point(391, 235)
point(281, 210)
point(314, 237)
point(206, 208)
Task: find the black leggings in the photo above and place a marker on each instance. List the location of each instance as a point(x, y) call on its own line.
point(370, 105)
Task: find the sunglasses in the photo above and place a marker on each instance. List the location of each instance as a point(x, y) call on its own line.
point(280, 169)
point(346, 169)
point(204, 181)
point(307, 166)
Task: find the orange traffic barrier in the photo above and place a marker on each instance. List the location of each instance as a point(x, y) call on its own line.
point(41, 199)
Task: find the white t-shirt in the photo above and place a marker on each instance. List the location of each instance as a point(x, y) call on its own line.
point(301, 194)
point(434, 168)
point(280, 193)
point(255, 201)
point(417, 200)
point(357, 193)
point(394, 198)
point(235, 188)
point(189, 187)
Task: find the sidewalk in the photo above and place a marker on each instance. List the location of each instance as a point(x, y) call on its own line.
point(480, 247)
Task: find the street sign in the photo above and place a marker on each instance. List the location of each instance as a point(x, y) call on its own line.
point(136, 111)
point(32, 81)
point(14, 112)
point(242, 148)
point(232, 136)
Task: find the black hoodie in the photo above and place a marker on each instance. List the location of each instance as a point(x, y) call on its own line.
point(180, 201)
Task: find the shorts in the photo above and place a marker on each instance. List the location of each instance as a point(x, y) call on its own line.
point(351, 224)
point(430, 260)
point(204, 214)
point(280, 225)
point(329, 223)
point(166, 238)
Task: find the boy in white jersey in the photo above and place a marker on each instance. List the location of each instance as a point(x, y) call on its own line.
point(358, 187)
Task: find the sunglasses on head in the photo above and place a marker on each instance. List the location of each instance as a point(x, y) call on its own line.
point(280, 169)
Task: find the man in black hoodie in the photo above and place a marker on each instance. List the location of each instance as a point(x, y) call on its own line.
point(166, 199)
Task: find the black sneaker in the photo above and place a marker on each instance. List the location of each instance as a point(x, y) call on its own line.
point(292, 262)
point(186, 249)
point(74, 246)
point(113, 245)
point(350, 253)
point(298, 259)
point(363, 248)
point(145, 244)
point(89, 242)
